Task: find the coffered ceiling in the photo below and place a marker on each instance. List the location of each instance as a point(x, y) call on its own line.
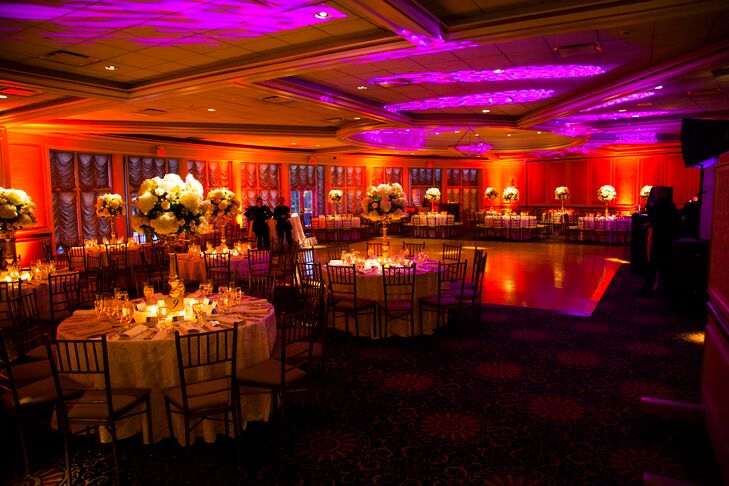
point(531, 78)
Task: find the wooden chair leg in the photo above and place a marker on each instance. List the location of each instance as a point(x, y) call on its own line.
point(115, 452)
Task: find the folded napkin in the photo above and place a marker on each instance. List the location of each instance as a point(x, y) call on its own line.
point(229, 320)
point(188, 328)
point(84, 312)
point(368, 271)
point(97, 330)
point(133, 332)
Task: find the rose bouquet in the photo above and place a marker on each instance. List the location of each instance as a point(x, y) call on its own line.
point(511, 194)
point(335, 196)
point(109, 206)
point(645, 191)
point(384, 202)
point(562, 193)
point(432, 194)
point(491, 193)
point(16, 210)
point(606, 193)
point(169, 206)
point(222, 205)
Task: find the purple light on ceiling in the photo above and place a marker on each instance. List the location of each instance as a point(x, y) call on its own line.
point(617, 116)
point(421, 40)
point(415, 51)
point(397, 138)
point(174, 23)
point(510, 74)
point(621, 100)
point(474, 149)
point(573, 130)
point(481, 99)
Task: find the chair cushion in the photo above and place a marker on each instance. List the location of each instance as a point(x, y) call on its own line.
point(298, 351)
point(268, 374)
point(43, 391)
point(92, 404)
point(205, 395)
point(27, 373)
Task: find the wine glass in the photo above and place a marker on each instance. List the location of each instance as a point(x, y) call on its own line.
point(99, 306)
point(198, 310)
point(148, 293)
point(204, 286)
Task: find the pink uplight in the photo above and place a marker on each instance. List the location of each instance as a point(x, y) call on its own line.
point(617, 116)
point(510, 74)
point(622, 99)
point(175, 23)
point(415, 51)
point(481, 99)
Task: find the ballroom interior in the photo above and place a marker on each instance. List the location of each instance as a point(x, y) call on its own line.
point(561, 372)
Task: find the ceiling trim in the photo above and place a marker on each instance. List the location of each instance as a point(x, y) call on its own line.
point(701, 59)
point(398, 16)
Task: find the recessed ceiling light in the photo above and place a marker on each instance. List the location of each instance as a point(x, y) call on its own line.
point(622, 110)
point(485, 111)
point(211, 109)
point(293, 143)
point(437, 133)
point(636, 116)
point(357, 118)
point(497, 71)
point(318, 145)
point(322, 15)
point(361, 86)
point(508, 134)
point(658, 87)
point(110, 67)
point(2, 96)
point(539, 133)
point(457, 131)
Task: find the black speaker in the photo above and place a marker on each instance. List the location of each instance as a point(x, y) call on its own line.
point(703, 139)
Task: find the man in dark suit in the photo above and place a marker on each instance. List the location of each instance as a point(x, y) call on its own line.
point(281, 215)
point(662, 218)
point(259, 215)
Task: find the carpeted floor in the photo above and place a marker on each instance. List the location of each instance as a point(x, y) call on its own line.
point(532, 397)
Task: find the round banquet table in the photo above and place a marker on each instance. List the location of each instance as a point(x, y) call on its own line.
point(191, 268)
point(370, 286)
point(134, 259)
point(152, 363)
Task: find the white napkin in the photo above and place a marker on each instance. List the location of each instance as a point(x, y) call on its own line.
point(229, 320)
point(84, 312)
point(188, 328)
point(133, 332)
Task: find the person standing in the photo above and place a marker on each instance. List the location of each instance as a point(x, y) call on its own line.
point(259, 215)
point(662, 218)
point(281, 215)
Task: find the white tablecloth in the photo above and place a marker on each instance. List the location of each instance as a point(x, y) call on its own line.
point(153, 364)
point(191, 268)
point(338, 221)
point(133, 255)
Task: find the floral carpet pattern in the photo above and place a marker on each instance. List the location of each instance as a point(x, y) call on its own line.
point(527, 398)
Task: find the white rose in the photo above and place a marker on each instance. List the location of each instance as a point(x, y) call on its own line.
point(190, 200)
point(223, 205)
point(8, 212)
point(14, 197)
point(146, 186)
point(114, 203)
point(386, 205)
point(146, 202)
point(194, 185)
point(138, 221)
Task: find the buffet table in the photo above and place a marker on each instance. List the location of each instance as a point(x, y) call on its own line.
point(149, 360)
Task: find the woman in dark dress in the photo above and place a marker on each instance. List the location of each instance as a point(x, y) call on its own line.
point(259, 215)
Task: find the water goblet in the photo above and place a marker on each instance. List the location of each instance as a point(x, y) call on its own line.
point(198, 311)
point(99, 306)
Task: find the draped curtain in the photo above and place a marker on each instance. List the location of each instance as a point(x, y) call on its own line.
point(309, 178)
point(386, 175)
point(351, 180)
point(421, 179)
point(463, 188)
point(77, 179)
point(259, 180)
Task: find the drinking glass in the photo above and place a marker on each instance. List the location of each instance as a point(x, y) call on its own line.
point(148, 293)
point(126, 316)
point(204, 286)
point(198, 310)
point(99, 306)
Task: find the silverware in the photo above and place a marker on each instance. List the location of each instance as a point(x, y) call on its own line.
point(151, 335)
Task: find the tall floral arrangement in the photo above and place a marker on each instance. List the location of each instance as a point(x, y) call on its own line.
point(511, 194)
point(169, 206)
point(562, 193)
point(222, 205)
point(16, 210)
point(384, 202)
point(646, 191)
point(490, 193)
point(606, 193)
point(432, 194)
point(109, 206)
point(335, 196)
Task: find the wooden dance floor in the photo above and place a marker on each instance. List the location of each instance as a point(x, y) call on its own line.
point(567, 278)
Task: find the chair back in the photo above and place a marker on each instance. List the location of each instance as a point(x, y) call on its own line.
point(118, 252)
point(29, 332)
point(259, 262)
point(309, 272)
point(87, 358)
point(76, 257)
point(334, 252)
point(451, 252)
point(214, 351)
point(342, 282)
point(478, 270)
point(374, 248)
point(64, 291)
point(300, 326)
point(262, 286)
point(8, 291)
point(451, 278)
point(47, 251)
point(413, 248)
point(217, 268)
point(398, 284)
point(7, 385)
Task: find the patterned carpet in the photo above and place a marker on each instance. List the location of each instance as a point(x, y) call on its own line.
point(530, 398)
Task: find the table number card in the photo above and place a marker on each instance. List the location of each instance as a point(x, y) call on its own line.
point(174, 304)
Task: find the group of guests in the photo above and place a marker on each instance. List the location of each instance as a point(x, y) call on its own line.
point(259, 215)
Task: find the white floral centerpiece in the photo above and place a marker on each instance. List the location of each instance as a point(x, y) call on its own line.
point(432, 195)
point(335, 196)
point(16, 211)
point(109, 206)
point(606, 194)
point(169, 206)
point(491, 193)
point(222, 205)
point(510, 194)
point(562, 193)
point(384, 203)
point(645, 191)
